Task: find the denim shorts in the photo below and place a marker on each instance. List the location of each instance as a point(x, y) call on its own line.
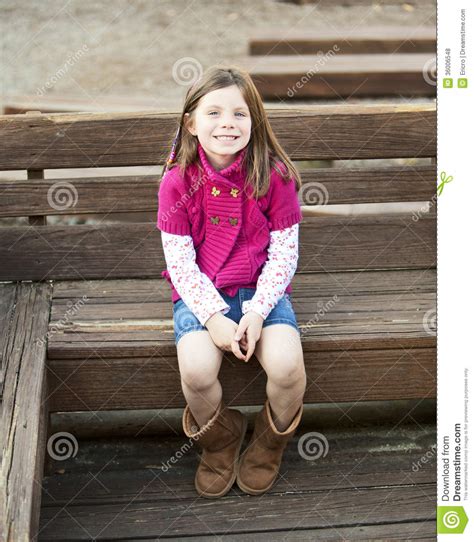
point(185, 321)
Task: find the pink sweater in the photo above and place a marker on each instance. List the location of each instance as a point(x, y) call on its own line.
point(202, 297)
point(230, 229)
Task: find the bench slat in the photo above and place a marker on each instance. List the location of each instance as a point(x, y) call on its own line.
point(24, 422)
point(327, 243)
point(359, 40)
point(111, 194)
point(61, 140)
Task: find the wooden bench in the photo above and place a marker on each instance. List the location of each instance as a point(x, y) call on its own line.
point(364, 293)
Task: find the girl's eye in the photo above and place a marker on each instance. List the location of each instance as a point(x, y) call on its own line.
point(238, 113)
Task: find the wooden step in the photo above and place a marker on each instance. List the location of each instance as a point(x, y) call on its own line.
point(24, 315)
point(284, 77)
point(351, 40)
point(365, 487)
point(364, 335)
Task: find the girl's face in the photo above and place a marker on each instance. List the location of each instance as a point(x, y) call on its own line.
point(222, 125)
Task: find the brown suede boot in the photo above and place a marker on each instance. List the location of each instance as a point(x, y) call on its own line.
point(220, 439)
point(259, 464)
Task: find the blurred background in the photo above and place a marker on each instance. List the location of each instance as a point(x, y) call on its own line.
point(96, 52)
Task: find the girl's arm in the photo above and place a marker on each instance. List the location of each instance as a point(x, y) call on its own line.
point(194, 287)
point(276, 273)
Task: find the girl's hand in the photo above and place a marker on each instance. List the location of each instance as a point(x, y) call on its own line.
point(249, 329)
point(222, 331)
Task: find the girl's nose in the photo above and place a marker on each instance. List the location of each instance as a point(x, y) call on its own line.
point(228, 121)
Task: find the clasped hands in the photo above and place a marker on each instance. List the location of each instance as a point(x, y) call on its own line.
point(231, 337)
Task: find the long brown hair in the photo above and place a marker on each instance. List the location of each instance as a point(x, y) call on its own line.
point(263, 150)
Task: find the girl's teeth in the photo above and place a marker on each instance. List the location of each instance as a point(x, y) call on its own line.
point(226, 138)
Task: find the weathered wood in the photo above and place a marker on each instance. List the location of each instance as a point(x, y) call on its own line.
point(327, 243)
point(163, 422)
point(94, 384)
point(17, 104)
point(121, 139)
point(8, 294)
point(366, 336)
point(35, 219)
point(368, 456)
point(366, 467)
point(111, 194)
point(350, 40)
point(23, 429)
point(284, 77)
point(419, 3)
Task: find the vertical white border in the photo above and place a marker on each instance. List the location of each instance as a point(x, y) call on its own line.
point(455, 261)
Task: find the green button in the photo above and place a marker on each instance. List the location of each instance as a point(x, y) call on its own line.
point(462, 82)
point(447, 82)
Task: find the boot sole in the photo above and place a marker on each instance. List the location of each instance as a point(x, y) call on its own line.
point(208, 495)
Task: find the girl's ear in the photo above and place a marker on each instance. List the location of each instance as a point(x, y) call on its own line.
point(188, 124)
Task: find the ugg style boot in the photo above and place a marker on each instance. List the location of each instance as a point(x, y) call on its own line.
point(259, 464)
point(220, 439)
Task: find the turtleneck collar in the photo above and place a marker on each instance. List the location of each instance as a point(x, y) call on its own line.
point(227, 172)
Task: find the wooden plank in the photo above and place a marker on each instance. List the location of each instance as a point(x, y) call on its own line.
point(96, 384)
point(368, 456)
point(7, 302)
point(325, 3)
point(359, 343)
point(149, 291)
point(416, 530)
point(111, 194)
point(336, 508)
point(366, 484)
point(132, 139)
point(359, 40)
point(283, 77)
point(56, 103)
point(327, 243)
point(23, 429)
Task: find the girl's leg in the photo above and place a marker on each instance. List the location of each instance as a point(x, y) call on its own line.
point(199, 362)
point(280, 353)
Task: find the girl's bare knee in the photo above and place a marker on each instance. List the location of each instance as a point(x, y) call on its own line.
point(199, 360)
point(287, 372)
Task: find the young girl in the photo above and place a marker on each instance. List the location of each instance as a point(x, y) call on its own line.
point(228, 214)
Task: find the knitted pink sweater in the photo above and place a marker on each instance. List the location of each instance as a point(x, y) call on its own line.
point(230, 229)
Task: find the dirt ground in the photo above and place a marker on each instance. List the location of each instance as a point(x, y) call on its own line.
point(95, 49)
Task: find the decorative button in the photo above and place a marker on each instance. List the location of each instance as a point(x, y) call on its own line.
point(215, 191)
point(215, 219)
point(259, 204)
point(233, 221)
point(194, 209)
point(234, 192)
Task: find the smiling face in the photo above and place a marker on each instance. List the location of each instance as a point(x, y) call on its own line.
point(222, 124)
